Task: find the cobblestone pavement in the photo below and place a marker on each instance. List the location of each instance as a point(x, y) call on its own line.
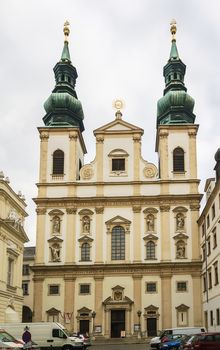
point(118, 346)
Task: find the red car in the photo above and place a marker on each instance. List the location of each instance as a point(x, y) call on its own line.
point(206, 341)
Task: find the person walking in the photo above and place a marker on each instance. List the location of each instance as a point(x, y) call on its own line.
point(26, 337)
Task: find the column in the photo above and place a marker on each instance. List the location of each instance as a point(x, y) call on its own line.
point(69, 299)
point(163, 153)
point(197, 299)
point(40, 244)
point(165, 232)
point(71, 236)
point(137, 279)
point(99, 162)
point(166, 300)
point(107, 323)
point(99, 235)
point(98, 301)
point(137, 243)
point(192, 153)
point(73, 158)
point(195, 231)
point(38, 299)
point(44, 136)
point(137, 156)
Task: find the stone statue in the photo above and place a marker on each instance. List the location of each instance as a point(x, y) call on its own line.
point(179, 221)
point(180, 251)
point(86, 224)
point(150, 222)
point(56, 224)
point(55, 252)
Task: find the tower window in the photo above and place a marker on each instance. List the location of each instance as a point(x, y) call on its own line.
point(118, 164)
point(178, 160)
point(58, 162)
point(118, 243)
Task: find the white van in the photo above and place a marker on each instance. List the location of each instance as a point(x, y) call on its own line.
point(46, 335)
point(154, 343)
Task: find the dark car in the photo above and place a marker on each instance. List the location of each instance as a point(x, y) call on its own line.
point(206, 341)
point(188, 343)
point(170, 342)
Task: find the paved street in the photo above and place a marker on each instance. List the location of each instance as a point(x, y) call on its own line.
point(120, 347)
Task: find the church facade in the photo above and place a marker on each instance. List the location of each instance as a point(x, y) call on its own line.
point(117, 251)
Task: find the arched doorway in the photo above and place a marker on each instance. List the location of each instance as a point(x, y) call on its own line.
point(26, 314)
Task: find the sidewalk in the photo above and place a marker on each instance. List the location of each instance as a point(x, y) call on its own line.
point(115, 341)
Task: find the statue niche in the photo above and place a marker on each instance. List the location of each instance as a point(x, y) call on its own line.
point(55, 252)
point(180, 222)
point(56, 225)
point(180, 250)
point(150, 220)
point(86, 224)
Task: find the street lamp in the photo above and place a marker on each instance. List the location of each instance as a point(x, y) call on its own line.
point(139, 323)
point(93, 322)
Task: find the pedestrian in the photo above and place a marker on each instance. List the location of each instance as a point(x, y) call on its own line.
point(26, 337)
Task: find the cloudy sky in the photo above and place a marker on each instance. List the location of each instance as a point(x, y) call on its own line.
point(119, 48)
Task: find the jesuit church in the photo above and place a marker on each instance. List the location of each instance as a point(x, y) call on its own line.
point(117, 251)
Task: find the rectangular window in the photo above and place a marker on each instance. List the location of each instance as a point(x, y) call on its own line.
point(10, 272)
point(118, 164)
point(208, 246)
point(203, 230)
point(214, 238)
point(217, 317)
point(84, 289)
point(25, 288)
point(203, 252)
point(211, 318)
point(181, 286)
point(151, 287)
point(208, 221)
point(210, 278)
point(54, 289)
point(25, 270)
point(204, 283)
point(213, 211)
point(216, 273)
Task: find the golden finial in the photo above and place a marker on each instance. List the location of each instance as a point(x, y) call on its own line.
point(173, 29)
point(118, 105)
point(66, 31)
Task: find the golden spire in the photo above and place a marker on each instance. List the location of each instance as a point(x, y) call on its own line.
point(173, 29)
point(66, 31)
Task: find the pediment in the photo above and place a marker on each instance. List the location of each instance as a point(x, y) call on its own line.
point(85, 212)
point(84, 310)
point(85, 239)
point(52, 310)
point(118, 288)
point(182, 307)
point(151, 307)
point(117, 220)
point(118, 125)
point(181, 236)
point(150, 237)
point(180, 210)
point(55, 239)
point(55, 212)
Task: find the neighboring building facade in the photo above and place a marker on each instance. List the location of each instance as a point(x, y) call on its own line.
point(209, 225)
point(12, 239)
point(28, 284)
point(117, 240)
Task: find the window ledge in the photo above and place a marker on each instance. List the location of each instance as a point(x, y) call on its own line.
point(57, 176)
point(118, 173)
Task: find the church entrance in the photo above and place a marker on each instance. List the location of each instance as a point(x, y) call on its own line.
point(84, 326)
point(117, 323)
point(151, 327)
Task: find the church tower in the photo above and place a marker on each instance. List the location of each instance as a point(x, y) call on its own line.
point(176, 131)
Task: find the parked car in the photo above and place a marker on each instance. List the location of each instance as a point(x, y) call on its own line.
point(170, 342)
point(85, 337)
point(7, 341)
point(188, 343)
point(206, 341)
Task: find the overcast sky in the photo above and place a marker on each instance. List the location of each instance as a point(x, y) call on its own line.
point(119, 48)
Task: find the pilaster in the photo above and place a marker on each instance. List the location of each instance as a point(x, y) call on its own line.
point(165, 232)
point(38, 299)
point(71, 236)
point(69, 294)
point(137, 233)
point(166, 297)
point(40, 244)
point(99, 235)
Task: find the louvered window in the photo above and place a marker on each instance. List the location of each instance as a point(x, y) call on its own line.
point(58, 162)
point(178, 159)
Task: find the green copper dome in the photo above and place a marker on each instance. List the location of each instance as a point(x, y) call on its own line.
point(63, 107)
point(176, 106)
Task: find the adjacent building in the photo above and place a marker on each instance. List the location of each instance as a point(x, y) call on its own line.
point(12, 239)
point(117, 248)
point(28, 283)
point(209, 225)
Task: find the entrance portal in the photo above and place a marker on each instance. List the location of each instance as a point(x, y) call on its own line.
point(117, 323)
point(84, 326)
point(151, 327)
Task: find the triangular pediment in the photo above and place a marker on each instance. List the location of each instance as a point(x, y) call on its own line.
point(117, 220)
point(85, 239)
point(150, 237)
point(55, 240)
point(84, 310)
point(118, 125)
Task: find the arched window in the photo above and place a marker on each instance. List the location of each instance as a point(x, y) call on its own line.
point(85, 252)
point(118, 243)
point(58, 162)
point(178, 159)
point(150, 250)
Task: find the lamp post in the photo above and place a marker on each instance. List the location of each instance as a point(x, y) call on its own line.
point(139, 323)
point(93, 323)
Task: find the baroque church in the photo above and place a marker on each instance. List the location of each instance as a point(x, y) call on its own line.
point(117, 251)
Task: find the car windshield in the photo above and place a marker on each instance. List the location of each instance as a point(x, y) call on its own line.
point(5, 337)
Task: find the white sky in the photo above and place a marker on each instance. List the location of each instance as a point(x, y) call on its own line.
point(119, 48)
